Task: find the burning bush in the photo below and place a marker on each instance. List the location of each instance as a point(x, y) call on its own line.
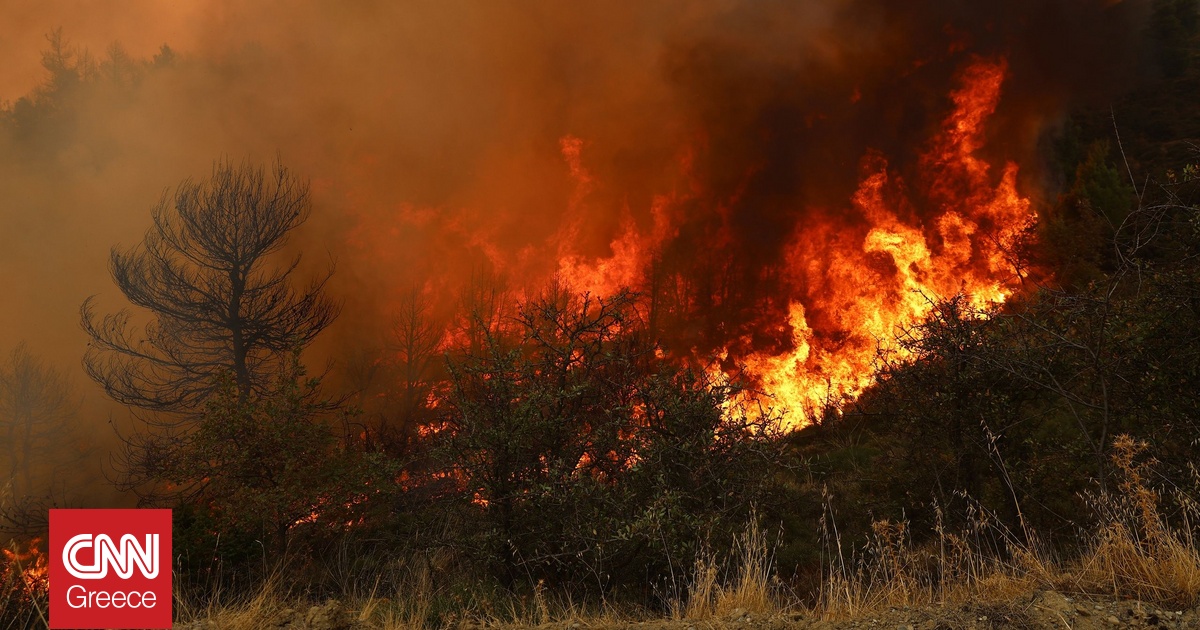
point(23, 584)
point(570, 450)
point(264, 465)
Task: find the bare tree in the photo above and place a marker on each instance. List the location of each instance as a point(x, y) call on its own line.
point(415, 339)
point(216, 303)
point(37, 413)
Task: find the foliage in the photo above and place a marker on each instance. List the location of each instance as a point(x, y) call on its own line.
point(1172, 29)
point(265, 464)
point(1077, 233)
point(573, 454)
point(217, 307)
point(46, 122)
point(1017, 408)
point(393, 382)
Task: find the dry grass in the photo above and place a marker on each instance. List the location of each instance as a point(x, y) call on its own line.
point(1134, 554)
point(408, 607)
point(538, 610)
point(267, 607)
point(272, 605)
point(701, 594)
point(885, 577)
point(23, 586)
point(401, 596)
point(1122, 565)
point(749, 592)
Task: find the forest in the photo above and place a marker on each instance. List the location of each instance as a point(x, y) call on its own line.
point(753, 331)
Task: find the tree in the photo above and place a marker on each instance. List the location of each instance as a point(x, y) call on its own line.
point(1172, 28)
point(1077, 233)
point(393, 381)
point(415, 339)
point(569, 450)
point(217, 306)
point(267, 464)
point(37, 413)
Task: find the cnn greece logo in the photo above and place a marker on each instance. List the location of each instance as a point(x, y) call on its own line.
point(106, 568)
point(107, 554)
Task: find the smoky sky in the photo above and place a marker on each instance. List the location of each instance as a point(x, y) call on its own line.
point(432, 131)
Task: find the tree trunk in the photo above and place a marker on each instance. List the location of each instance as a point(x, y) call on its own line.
point(27, 455)
point(241, 370)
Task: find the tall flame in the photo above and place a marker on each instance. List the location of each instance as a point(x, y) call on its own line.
point(875, 268)
point(845, 282)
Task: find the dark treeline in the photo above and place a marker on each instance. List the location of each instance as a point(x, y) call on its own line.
point(548, 440)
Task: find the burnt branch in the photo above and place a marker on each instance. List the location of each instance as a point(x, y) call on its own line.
point(217, 304)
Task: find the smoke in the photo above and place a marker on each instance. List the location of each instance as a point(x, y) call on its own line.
point(786, 119)
point(451, 139)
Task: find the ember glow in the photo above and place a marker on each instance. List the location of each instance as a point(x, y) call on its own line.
point(784, 183)
point(875, 285)
point(29, 565)
point(849, 278)
point(870, 272)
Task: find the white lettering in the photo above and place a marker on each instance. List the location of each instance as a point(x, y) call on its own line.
point(106, 553)
point(81, 602)
point(83, 598)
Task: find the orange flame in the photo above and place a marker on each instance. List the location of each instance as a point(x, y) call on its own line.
point(875, 280)
point(31, 564)
point(953, 256)
point(851, 278)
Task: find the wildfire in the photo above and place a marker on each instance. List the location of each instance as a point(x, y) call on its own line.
point(846, 280)
point(631, 249)
point(871, 271)
point(30, 566)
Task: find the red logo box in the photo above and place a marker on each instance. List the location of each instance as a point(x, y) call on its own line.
point(110, 569)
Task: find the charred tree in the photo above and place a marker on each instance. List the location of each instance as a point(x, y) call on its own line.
point(415, 339)
point(216, 302)
point(37, 422)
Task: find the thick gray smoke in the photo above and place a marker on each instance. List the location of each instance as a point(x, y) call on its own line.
point(433, 131)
